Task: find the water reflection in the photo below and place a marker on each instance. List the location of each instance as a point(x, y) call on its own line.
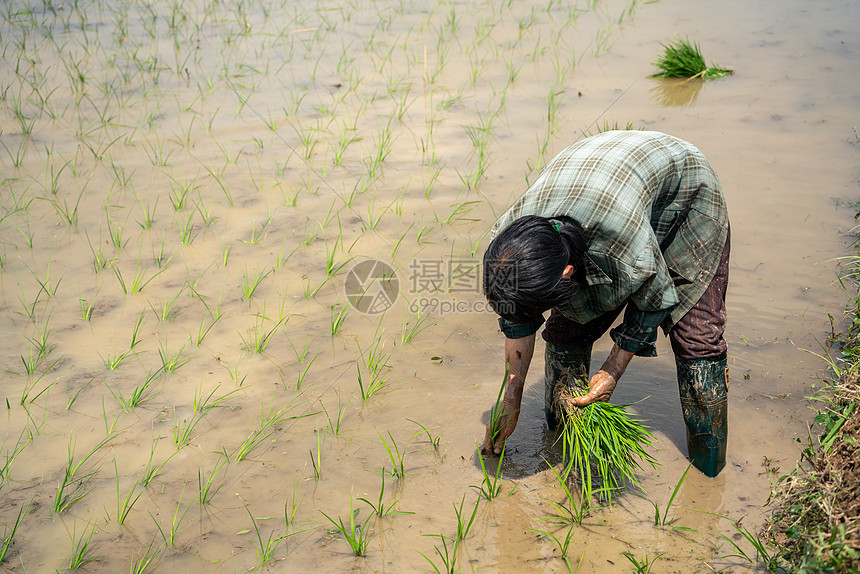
point(671, 92)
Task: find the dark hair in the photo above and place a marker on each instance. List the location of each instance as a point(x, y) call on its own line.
point(523, 266)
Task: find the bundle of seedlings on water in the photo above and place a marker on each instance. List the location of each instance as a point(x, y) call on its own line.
point(602, 442)
point(682, 59)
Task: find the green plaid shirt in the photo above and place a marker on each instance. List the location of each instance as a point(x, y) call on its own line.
point(655, 222)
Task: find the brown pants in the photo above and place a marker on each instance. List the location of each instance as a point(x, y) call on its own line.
point(698, 335)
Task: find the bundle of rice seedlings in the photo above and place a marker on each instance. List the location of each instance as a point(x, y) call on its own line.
point(602, 442)
point(682, 59)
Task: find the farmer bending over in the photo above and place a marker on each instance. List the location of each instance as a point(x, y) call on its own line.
point(623, 220)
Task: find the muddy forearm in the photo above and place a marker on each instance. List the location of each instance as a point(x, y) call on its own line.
point(518, 356)
point(616, 362)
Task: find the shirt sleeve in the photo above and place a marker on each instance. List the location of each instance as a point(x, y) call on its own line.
point(519, 330)
point(637, 334)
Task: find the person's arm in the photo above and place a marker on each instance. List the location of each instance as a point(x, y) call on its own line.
point(603, 382)
point(635, 336)
point(518, 356)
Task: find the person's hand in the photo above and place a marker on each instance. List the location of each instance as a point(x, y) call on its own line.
point(600, 388)
point(503, 427)
point(603, 382)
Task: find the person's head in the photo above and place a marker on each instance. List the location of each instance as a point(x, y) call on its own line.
point(526, 266)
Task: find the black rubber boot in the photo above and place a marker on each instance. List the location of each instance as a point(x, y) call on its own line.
point(563, 364)
point(703, 384)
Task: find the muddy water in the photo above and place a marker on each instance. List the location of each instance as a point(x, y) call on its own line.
point(210, 147)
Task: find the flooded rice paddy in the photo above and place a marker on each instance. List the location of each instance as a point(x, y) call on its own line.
point(188, 188)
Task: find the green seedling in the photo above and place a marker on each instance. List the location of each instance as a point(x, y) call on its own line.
point(497, 413)
point(115, 233)
point(682, 59)
point(259, 336)
point(490, 486)
point(12, 455)
point(356, 535)
point(434, 171)
point(265, 549)
point(206, 489)
point(163, 255)
point(78, 558)
point(447, 555)
point(300, 355)
point(29, 308)
point(395, 454)
point(172, 362)
point(185, 226)
point(463, 525)
point(234, 372)
point(250, 282)
point(72, 397)
point(150, 555)
point(311, 292)
point(26, 233)
point(75, 484)
point(183, 430)
point(419, 322)
point(87, 307)
point(110, 427)
point(100, 260)
point(166, 310)
point(39, 349)
point(303, 373)
point(643, 567)
point(135, 332)
point(664, 520)
point(576, 509)
point(334, 424)
point(45, 285)
point(113, 361)
point(338, 318)
point(258, 436)
point(375, 362)
point(138, 395)
point(291, 505)
point(124, 505)
point(399, 241)
point(206, 325)
point(257, 234)
point(270, 421)
point(138, 279)
point(206, 215)
point(761, 551)
point(9, 532)
point(379, 508)
point(458, 215)
point(147, 213)
point(316, 461)
point(434, 440)
point(205, 404)
point(179, 192)
point(176, 519)
point(16, 156)
point(153, 470)
point(29, 387)
point(563, 544)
